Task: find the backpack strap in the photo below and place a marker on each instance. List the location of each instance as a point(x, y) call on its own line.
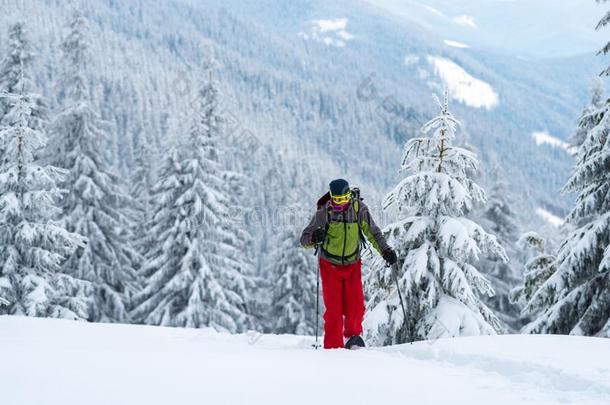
point(356, 207)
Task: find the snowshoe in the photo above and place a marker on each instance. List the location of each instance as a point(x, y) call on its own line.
point(355, 342)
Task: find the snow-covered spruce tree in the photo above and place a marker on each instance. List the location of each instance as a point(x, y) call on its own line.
point(194, 276)
point(15, 64)
point(604, 22)
point(536, 272)
point(142, 180)
point(576, 297)
point(239, 196)
point(32, 245)
point(16, 77)
point(498, 217)
point(436, 245)
point(96, 204)
point(293, 299)
point(589, 117)
point(291, 270)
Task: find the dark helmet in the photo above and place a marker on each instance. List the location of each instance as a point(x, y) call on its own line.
point(339, 187)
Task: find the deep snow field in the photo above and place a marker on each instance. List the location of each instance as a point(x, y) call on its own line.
point(53, 362)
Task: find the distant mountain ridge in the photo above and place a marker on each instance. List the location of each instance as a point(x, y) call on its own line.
point(532, 28)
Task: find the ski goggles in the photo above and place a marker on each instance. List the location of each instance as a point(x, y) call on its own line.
point(341, 199)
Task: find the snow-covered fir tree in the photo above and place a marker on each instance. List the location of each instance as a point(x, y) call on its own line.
point(195, 275)
point(537, 270)
point(576, 297)
point(294, 294)
point(239, 192)
point(16, 76)
point(588, 118)
point(96, 204)
point(292, 270)
point(143, 174)
point(437, 246)
point(603, 23)
point(498, 217)
point(33, 245)
point(18, 58)
point(143, 178)
point(498, 210)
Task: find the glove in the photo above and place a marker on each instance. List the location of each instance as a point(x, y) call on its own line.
point(319, 236)
point(389, 255)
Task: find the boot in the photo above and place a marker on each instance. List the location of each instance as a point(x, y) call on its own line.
point(355, 342)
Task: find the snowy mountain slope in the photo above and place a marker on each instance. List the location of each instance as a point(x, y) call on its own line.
point(543, 138)
point(533, 94)
point(289, 90)
point(519, 27)
point(60, 362)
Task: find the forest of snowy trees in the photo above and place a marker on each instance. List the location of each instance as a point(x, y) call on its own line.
point(181, 227)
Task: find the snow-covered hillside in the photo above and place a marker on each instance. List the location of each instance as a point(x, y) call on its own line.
point(294, 71)
point(78, 363)
point(544, 138)
point(462, 86)
point(510, 26)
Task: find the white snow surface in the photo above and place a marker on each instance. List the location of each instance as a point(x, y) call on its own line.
point(462, 86)
point(466, 21)
point(332, 32)
point(549, 217)
point(434, 11)
point(456, 44)
point(53, 362)
point(331, 25)
point(544, 138)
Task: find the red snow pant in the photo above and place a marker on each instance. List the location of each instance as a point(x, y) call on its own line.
point(344, 302)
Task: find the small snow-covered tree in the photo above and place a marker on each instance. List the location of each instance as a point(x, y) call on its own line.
point(589, 117)
point(32, 245)
point(291, 269)
point(16, 77)
point(498, 217)
point(436, 245)
point(238, 197)
point(194, 275)
point(575, 299)
point(293, 299)
point(498, 211)
point(96, 205)
point(142, 181)
point(537, 270)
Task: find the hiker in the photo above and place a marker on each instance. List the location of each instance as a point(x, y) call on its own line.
point(338, 229)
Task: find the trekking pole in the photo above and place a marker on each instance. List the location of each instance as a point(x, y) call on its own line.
point(317, 297)
point(394, 273)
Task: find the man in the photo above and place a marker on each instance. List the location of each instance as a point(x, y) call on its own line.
point(338, 229)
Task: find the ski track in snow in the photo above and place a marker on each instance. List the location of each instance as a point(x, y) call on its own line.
point(520, 372)
point(61, 362)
